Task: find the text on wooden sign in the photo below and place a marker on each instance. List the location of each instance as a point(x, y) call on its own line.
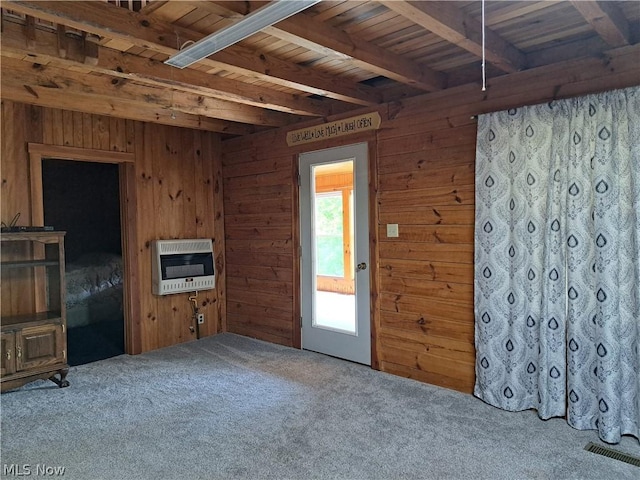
point(339, 128)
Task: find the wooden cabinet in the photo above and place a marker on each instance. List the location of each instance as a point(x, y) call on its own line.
point(33, 339)
point(8, 349)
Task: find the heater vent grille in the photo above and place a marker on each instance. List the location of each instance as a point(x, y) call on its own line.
point(187, 285)
point(168, 247)
point(611, 453)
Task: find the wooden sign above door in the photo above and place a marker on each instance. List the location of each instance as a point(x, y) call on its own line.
point(339, 128)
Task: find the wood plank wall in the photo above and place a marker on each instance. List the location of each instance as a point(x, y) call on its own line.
point(260, 201)
point(177, 186)
point(16, 291)
point(426, 186)
point(425, 162)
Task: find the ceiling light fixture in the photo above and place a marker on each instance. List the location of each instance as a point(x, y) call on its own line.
point(264, 17)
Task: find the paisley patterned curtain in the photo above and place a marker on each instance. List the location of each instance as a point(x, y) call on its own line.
point(557, 277)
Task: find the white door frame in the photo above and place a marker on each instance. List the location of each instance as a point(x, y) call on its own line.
point(339, 344)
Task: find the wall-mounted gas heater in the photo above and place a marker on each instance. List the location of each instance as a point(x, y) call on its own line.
point(182, 266)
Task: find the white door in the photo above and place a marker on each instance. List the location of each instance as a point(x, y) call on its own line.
point(334, 222)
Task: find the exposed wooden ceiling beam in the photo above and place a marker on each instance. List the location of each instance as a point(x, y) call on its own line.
point(607, 20)
point(161, 97)
point(65, 83)
point(446, 20)
point(305, 31)
point(114, 63)
point(48, 97)
point(109, 21)
point(153, 6)
point(270, 69)
point(364, 54)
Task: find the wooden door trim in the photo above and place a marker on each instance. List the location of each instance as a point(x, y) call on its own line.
point(128, 224)
point(80, 154)
point(374, 253)
point(295, 236)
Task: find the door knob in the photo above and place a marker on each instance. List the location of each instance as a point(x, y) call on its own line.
point(361, 266)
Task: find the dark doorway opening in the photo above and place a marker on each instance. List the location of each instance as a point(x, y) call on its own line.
point(82, 198)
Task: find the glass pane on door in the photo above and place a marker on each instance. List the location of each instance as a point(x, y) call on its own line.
point(333, 227)
point(329, 217)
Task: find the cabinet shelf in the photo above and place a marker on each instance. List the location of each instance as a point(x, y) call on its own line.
point(30, 318)
point(33, 337)
point(29, 263)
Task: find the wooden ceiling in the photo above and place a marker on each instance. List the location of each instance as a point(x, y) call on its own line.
point(107, 57)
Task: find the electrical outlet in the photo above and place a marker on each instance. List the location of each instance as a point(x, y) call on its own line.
point(200, 318)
